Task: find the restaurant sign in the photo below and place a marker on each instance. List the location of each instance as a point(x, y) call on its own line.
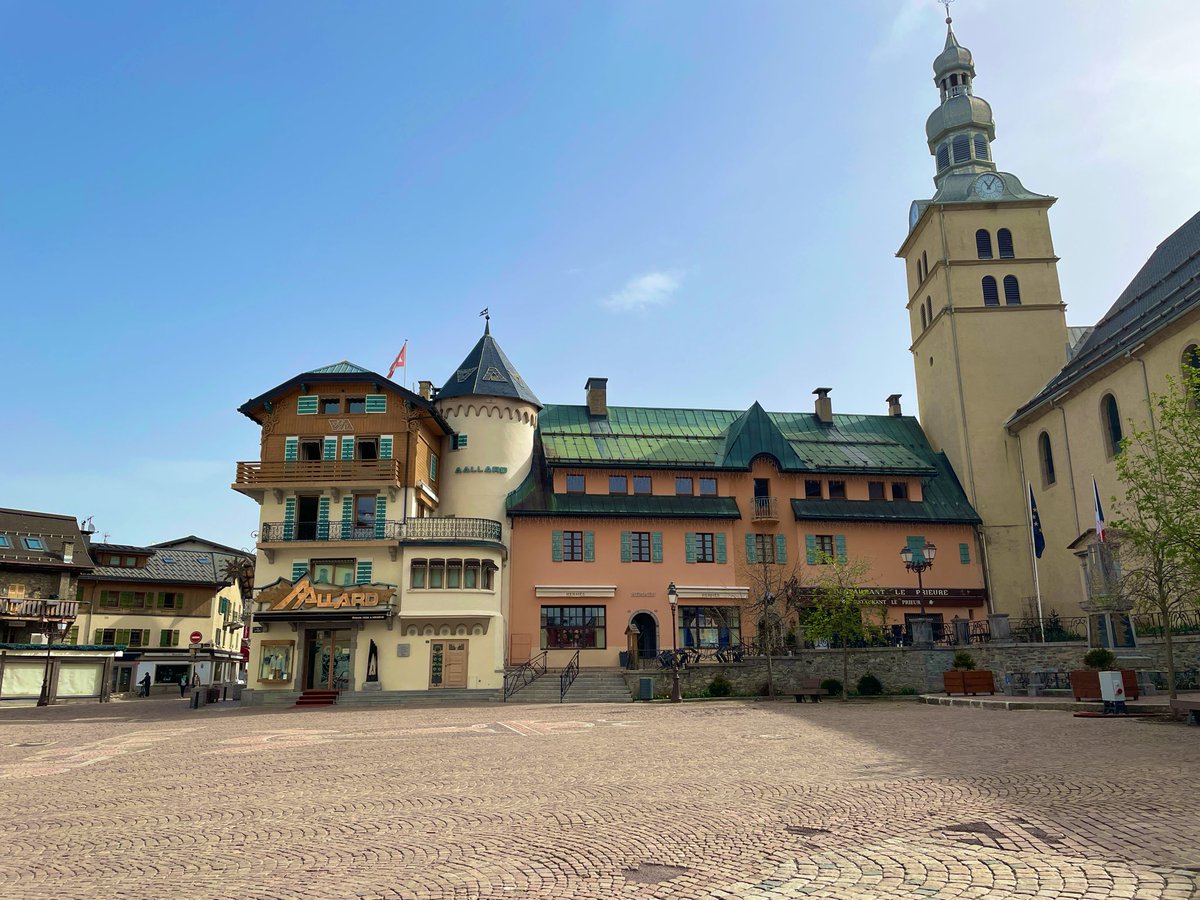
point(304, 595)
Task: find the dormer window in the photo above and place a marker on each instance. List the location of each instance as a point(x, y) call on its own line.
point(5, 543)
point(33, 543)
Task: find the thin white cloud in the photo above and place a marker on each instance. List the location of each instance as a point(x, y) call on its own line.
point(643, 292)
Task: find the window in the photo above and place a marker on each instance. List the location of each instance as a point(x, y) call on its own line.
point(981, 147)
point(416, 579)
point(437, 574)
point(462, 574)
point(275, 664)
point(331, 406)
point(929, 308)
point(705, 548)
point(683, 487)
point(170, 600)
point(168, 638)
point(983, 244)
point(4, 541)
point(130, 562)
point(642, 484)
point(488, 570)
point(332, 571)
point(708, 487)
point(837, 490)
point(573, 627)
point(471, 574)
point(109, 598)
point(106, 636)
point(875, 490)
point(943, 156)
point(576, 484)
point(764, 548)
point(114, 561)
point(33, 543)
point(16, 590)
point(356, 404)
point(991, 295)
point(368, 448)
point(961, 144)
point(812, 489)
point(1005, 242)
point(433, 467)
point(825, 548)
point(924, 265)
point(618, 484)
point(453, 574)
point(639, 546)
point(924, 319)
point(710, 626)
point(1189, 368)
point(364, 510)
point(899, 490)
point(1047, 459)
point(1012, 291)
point(167, 674)
point(310, 451)
point(572, 548)
point(1111, 421)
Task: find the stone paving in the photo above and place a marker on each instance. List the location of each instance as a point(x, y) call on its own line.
point(730, 800)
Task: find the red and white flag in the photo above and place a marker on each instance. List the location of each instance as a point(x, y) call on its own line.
point(398, 362)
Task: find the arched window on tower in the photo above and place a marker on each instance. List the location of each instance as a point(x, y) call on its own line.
point(983, 243)
point(1190, 367)
point(929, 308)
point(1005, 243)
point(1046, 454)
point(962, 148)
point(924, 318)
point(981, 147)
point(1012, 291)
point(991, 296)
point(943, 156)
point(924, 265)
point(1110, 422)
point(953, 81)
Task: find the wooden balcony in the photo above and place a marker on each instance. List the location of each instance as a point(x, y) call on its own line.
point(256, 477)
point(764, 509)
point(36, 610)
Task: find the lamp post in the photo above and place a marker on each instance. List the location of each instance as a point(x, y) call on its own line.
point(919, 562)
point(51, 630)
point(673, 599)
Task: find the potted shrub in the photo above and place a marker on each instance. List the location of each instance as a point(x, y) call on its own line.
point(1085, 683)
point(964, 679)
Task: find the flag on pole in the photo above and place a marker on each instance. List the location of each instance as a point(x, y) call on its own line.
point(1035, 522)
point(399, 361)
point(1101, 532)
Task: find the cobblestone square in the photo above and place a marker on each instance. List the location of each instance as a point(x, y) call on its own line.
point(728, 800)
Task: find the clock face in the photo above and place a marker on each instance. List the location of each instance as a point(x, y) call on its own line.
point(989, 187)
point(914, 213)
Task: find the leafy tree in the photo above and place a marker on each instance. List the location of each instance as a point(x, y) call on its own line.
point(775, 589)
point(844, 612)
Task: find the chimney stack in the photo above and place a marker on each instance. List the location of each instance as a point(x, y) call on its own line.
point(426, 389)
point(68, 551)
point(824, 409)
point(893, 402)
point(597, 396)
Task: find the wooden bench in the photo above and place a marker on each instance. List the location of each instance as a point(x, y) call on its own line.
point(1190, 708)
point(809, 689)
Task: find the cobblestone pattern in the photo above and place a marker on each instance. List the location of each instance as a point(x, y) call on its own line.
point(721, 800)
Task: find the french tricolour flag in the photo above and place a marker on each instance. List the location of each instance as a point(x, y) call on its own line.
point(1101, 535)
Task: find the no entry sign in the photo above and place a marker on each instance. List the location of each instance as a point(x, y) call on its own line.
point(196, 637)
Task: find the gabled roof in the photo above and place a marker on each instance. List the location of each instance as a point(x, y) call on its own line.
point(755, 433)
point(202, 542)
point(345, 367)
point(487, 372)
point(1166, 288)
point(163, 566)
point(54, 530)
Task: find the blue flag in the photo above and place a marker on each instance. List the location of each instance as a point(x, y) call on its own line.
point(1039, 539)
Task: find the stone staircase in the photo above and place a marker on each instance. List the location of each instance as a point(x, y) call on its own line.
point(438, 697)
point(590, 686)
point(310, 699)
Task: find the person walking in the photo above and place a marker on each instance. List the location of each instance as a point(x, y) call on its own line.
point(183, 685)
point(144, 686)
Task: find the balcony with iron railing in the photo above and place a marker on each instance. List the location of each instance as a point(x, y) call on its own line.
point(27, 608)
point(254, 477)
point(438, 528)
point(764, 509)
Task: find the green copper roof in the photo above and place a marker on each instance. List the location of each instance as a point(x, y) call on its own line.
point(340, 368)
point(753, 434)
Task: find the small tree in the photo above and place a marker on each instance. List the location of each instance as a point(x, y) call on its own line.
point(774, 589)
point(843, 611)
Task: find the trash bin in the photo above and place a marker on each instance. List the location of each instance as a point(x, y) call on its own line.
point(214, 695)
point(623, 659)
point(645, 689)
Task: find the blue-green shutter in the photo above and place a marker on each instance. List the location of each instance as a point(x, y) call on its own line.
point(720, 542)
point(347, 446)
point(781, 549)
point(362, 574)
point(433, 464)
point(299, 569)
point(839, 546)
point(656, 546)
point(810, 549)
point(626, 546)
point(917, 543)
point(291, 449)
point(330, 451)
point(376, 403)
point(306, 406)
point(556, 546)
point(460, 441)
point(589, 546)
point(751, 557)
point(323, 519)
point(380, 518)
point(289, 518)
point(223, 605)
point(964, 554)
point(385, 447)
point(347, 516)
point(689, 547)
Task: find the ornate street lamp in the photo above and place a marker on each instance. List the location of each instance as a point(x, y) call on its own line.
point(918, 563)
point(673, 599)
point(51, 630)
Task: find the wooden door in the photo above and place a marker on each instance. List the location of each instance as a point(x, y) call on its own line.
point(448, 664)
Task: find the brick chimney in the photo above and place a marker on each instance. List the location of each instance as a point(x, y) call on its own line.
point(426, 389)
point(893, 402)
point(597, 396)
point(824, 408)
point(68, 551)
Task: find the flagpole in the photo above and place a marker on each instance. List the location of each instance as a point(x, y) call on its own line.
point(1037, 585)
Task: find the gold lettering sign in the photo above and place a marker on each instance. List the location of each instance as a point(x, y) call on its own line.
point(305, 594)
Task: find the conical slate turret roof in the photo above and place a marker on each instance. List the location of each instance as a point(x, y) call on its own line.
point(487, 372)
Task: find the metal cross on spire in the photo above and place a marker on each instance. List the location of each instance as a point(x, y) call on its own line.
point(946, 3)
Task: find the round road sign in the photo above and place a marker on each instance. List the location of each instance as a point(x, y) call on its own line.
point(196, 637)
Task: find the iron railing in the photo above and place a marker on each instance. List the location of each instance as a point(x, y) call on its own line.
point(24, 608)
point(567, 677)
point(764, 509)
point(1056, 629)
point(1181, 622)
point(1185, 680)
point(451, 528)
point(525, 674)
point(441, 528)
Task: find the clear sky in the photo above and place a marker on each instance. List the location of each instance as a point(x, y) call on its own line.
point(699, 200)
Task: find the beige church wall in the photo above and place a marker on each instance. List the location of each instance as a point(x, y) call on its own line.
point(1029, 226)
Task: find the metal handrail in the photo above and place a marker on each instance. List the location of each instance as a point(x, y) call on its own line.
point(567, 677)
point(431, 529)
point(525, 674)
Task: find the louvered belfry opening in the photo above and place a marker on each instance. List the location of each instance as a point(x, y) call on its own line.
point(983, 243)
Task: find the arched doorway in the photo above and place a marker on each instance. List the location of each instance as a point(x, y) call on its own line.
point(647, 635)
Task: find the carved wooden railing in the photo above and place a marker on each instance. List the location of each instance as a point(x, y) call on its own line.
point(332, 471)
point(38, 609)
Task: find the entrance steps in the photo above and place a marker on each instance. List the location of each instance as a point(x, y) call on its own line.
point(431, 697)
point(590, 686)
point(317, 698)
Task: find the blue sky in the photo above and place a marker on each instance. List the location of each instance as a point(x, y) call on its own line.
point(699, 200)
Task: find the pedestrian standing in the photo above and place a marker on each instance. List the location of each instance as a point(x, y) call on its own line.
point(145, 686)
point(183, 685)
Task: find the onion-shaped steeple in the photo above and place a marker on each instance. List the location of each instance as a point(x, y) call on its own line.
point(961, 129)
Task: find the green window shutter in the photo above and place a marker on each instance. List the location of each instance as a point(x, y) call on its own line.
point(376, 403)
point(98, 638)
point(347, 516)
point(589, 546)
point(164, 638)
point(323, 519)
point(306, 406)
point(839, 547)
point(689, 547)
point(330, 448)
point(299, 569)
point(719, 540)
point(964, 554)
point(380, 518)
point(122, 637)
point(291, 449)
point(289, 518)
point(656, 546)
point(556, 546)
point(104, 598)
point(385, 446)
point(781, 549)
point(810, 549)
point(917, 543)
point(433, 464)
point(626, 546)
point(363, 571)
point(751, 557)
point(221, 605)
point(126, 599)
point(347, 446)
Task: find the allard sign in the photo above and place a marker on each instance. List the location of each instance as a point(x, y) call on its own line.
point(304, 595)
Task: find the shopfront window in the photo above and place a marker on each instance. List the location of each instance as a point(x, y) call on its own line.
point(573, 627)
point(332, 571)
point(276, 661)
point(171, 674)
point(710, 626)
